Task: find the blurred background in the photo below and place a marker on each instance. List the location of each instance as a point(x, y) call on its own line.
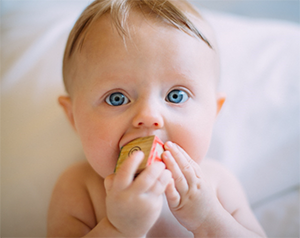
point(275, 9)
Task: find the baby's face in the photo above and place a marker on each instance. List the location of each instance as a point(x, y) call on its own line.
point(162, 83)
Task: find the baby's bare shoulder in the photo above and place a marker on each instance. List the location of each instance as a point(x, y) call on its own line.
point(81, 168)
point(215, 172)
point(79, 178)
point(231, 195)
point(73, 198)
point(228, 188)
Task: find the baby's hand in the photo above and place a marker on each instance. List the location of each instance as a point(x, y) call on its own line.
point(134, 205)
point(191, 199)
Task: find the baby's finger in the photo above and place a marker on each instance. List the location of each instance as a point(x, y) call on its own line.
point(161, 183)
point(183, 160)
point(125, 174)
point(196, 166)
point(148, 177)
point(179, 178)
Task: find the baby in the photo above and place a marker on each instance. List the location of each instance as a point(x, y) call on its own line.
point(134, 68)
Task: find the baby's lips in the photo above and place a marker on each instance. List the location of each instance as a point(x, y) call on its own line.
point(125, 142)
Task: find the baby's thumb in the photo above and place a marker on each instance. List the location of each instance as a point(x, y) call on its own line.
point(108, 182)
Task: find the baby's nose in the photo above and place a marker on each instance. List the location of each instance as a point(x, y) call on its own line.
point(148, 116)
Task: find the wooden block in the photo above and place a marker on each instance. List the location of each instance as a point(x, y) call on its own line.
point(152, 147)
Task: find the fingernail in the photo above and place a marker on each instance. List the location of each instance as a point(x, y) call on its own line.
point(169, 145)
point(168, 154)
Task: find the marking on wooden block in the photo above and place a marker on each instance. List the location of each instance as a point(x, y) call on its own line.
point(133, 149)
point(152, 147)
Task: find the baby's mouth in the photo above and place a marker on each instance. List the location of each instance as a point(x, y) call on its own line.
point(122, 144)
point(127, 142)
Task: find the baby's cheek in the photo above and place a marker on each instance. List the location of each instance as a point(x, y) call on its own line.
point(202, 146)
point(196, 143)
point(199, 151)
point(101, 155)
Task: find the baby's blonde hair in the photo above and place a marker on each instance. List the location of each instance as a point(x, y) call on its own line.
point(171, 11)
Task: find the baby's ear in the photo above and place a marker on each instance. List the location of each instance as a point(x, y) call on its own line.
point(221, 97)
point(66, 103)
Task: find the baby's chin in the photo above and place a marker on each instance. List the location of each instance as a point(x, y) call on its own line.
point(103, 167)
point(104, 172)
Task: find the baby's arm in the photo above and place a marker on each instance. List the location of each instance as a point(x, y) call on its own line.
point(237, 217)
point(207, 211)
point(76, 207)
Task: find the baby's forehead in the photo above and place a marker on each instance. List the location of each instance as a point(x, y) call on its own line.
point(153, 48)
point(175, 14)
point(139, 26)
point(144, 21)
point(103, 36)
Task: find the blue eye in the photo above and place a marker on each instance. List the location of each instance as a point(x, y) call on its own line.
point(177, 96)
point(116, 99)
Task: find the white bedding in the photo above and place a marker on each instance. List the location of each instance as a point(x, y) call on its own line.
point(256, 134)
